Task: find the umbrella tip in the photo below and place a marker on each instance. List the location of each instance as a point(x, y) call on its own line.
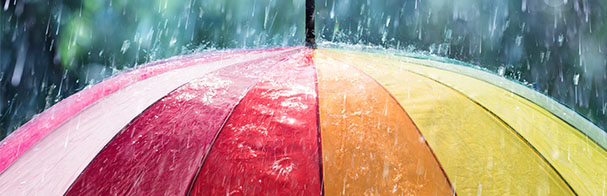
point(310, 37)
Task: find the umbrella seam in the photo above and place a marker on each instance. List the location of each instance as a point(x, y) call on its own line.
point(507, 125)
point(578, 128)
point(194, 179)
point(413, 122)
point(118, 133)
point(95, 103)
point(211, 58)
point(318, 127)
point(113, 137)
point(594, 127)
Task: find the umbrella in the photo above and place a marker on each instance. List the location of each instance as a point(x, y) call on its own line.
point(305, 121)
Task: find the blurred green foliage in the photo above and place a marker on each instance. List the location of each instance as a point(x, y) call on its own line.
point(52, 49)
point(123, 33)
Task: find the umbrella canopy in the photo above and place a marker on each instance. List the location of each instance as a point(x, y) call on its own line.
point(298, 121)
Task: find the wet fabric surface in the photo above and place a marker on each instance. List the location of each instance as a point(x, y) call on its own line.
point(29, 134)
point(544, 103)
point(369, 144)
point(480, 153)
point(580, 161)
point(64, 153)
point(160, 152)
point(269, 145)
point(33, 131)
point(140, 137)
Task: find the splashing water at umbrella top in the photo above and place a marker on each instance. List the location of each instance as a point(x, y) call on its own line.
point(377, 106)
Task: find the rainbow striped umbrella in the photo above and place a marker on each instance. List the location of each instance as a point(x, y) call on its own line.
point(301, 121)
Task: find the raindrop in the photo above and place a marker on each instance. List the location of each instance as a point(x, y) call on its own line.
point(542, 55)
point(48, 24)
point(518, 40)
point(6, 5)
point(171, 43)
point(448, 34)
point(419, 32)
point(332, 13)
point(265, 18)
point(576, 79)
point(125, 46)
point(501, 71)
point(492, 27)
point(59, 20)
point(19, 65)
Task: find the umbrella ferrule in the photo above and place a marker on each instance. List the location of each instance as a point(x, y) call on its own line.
point(310, 37)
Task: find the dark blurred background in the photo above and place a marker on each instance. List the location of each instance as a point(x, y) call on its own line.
point(52, 49)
